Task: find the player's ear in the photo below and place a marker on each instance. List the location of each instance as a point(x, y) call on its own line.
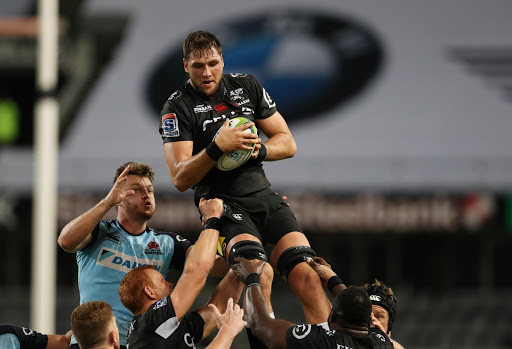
point(149, 292)
point(185, 66)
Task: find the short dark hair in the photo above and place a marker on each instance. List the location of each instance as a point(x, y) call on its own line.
point(141, 170)
point(201, 41)
point(89, 323)
point(352, 306)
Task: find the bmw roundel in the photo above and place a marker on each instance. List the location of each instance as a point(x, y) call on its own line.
point(307, 62)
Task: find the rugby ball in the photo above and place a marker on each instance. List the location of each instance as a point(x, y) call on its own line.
point(238, 157)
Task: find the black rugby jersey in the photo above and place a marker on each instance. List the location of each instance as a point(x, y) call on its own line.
point(189, 115)
point(316, 337)
point(159, 328)
point(12, 337)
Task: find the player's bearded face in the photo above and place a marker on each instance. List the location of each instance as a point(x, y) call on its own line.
point(140, 205)
point(205, 71)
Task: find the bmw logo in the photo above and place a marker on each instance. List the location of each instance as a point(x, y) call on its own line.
point(308, 62)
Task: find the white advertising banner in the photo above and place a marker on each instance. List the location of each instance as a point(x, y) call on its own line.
point(386, 95)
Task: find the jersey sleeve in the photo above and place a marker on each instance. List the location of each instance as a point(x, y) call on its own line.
point(181, 246)
point(161, 318)
point(28, 339)
point(176, 123)
point(195, 324)
point(307, 336)
point(264, 104)
point(95, 232)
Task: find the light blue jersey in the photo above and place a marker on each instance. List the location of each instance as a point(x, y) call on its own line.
point(112, 253)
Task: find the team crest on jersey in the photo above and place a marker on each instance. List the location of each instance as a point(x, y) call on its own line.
point(301, 331)
point(117, 260)
point(175, 95)
point(235, 94)
point(160, 303)
point(170, 125)
point(153, 248)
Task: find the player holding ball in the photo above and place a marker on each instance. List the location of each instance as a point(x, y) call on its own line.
point(196, 134)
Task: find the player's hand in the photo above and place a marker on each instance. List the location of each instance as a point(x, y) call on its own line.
point(230, 139)
point(211, 208)
point(243, 267)
point(376, 323)
point(232, 320)
point(117, 193)
point(322, 268)
point(256, 151)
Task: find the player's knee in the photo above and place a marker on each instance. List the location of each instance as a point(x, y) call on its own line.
point(291, 257)
point(267, 276)
point(247, 249)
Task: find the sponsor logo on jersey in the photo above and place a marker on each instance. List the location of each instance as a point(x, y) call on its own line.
point(160, 303)
point(201, 108)
point(180, 238)
point(117, 260)
point(245, 101)
point(237, 216)
point(189, 340)
point(27, 331)
point(170, 125)
point(211, 122)
point(381, 337)
point(268, 99)
point(375, 298)
point(153, 248)
point(221, 108)
point(301, 331)
point(175, 95)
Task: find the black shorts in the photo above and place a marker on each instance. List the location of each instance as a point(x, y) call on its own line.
point(263, 214)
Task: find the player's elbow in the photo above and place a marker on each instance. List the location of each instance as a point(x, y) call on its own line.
point(180, 184)
point(65, 243)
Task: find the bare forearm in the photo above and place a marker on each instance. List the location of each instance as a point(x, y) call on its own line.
point(77, 231)
point(280, 146)
point(202, 255)
point(190, 171)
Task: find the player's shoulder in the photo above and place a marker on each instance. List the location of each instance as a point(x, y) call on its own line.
point(239, 78)
point(308, 331)
point(183, 94)
point(167, 234)
point(379, 335)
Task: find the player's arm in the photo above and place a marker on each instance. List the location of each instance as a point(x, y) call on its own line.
point(200, 260)
point(272, 332)
point(230, 323)
point(56, 341)
point(329, 278)
point(280, 144)
point(229, 288)
point(77, 233)
point(187, 170)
